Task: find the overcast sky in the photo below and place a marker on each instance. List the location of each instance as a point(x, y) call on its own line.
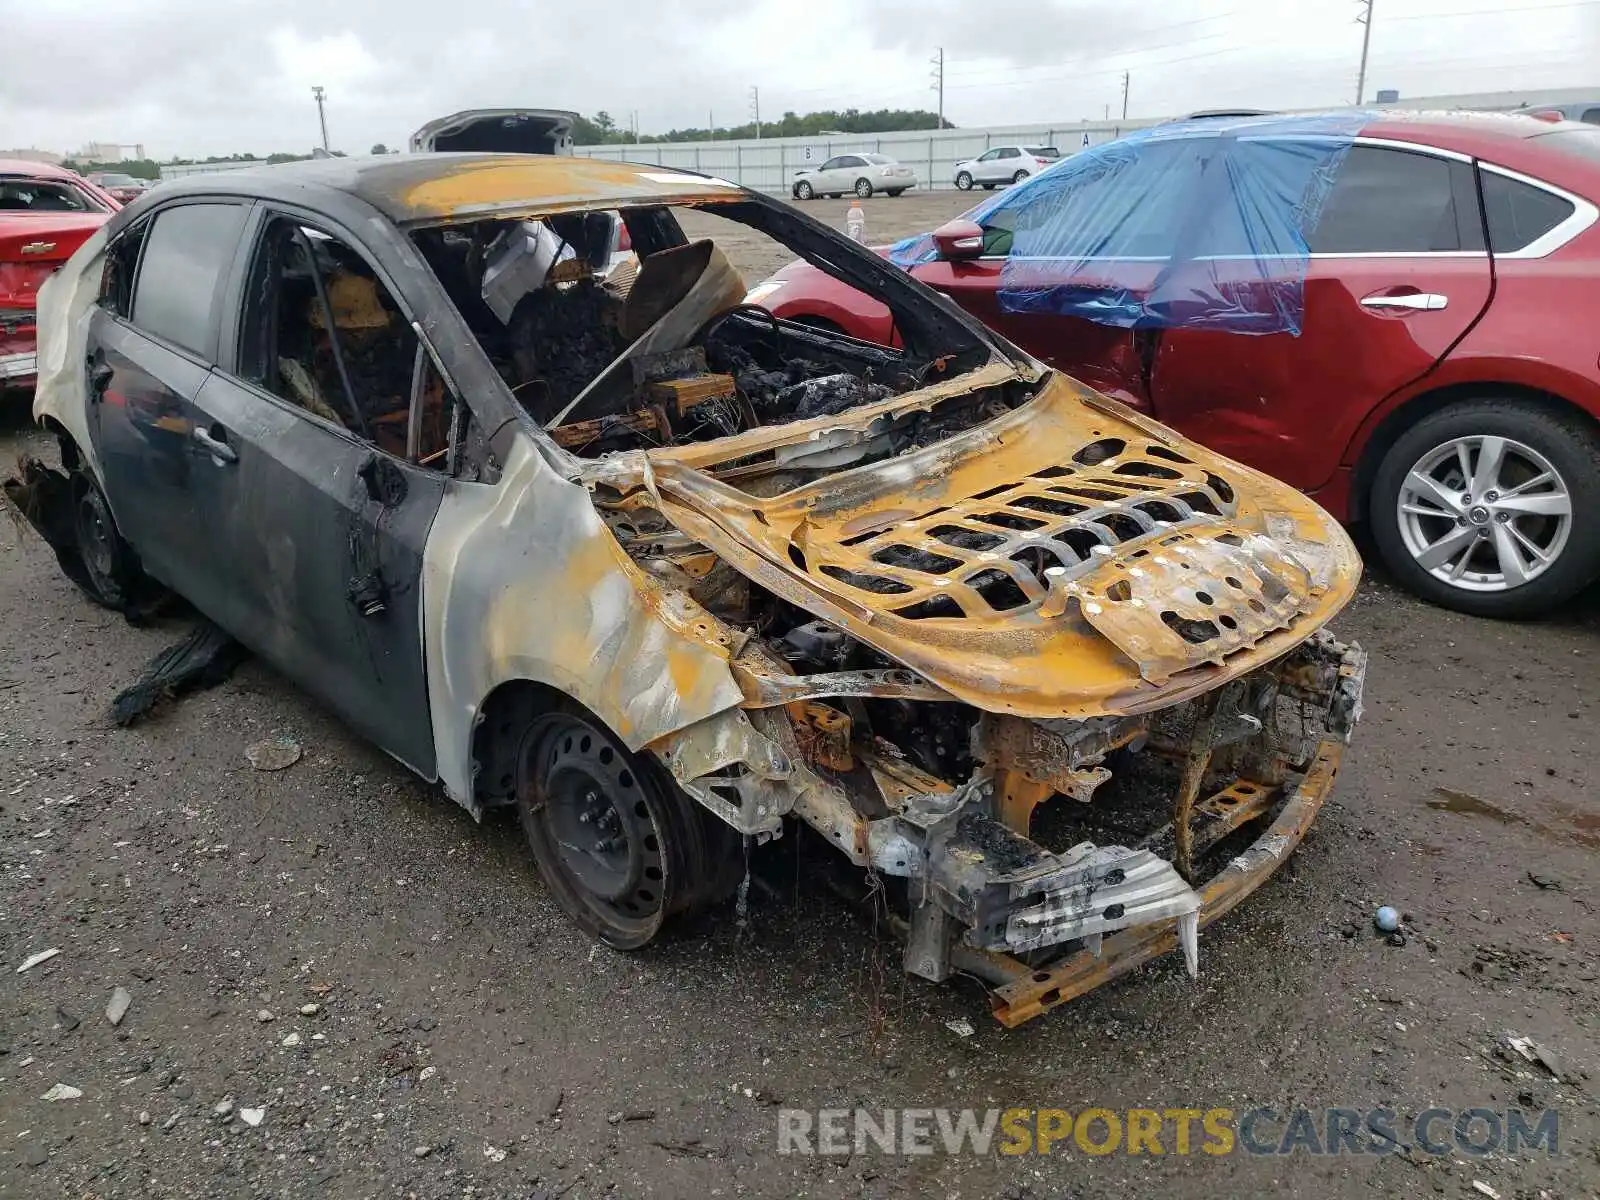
point(198, 77)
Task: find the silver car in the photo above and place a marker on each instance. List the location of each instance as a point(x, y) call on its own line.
point(862, 174)
point(1004, 164)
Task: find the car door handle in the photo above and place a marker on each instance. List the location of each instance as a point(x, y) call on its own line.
point(219, 450)
point(1415, 301)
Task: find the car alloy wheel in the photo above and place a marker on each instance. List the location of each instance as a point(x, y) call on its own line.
point(1484, 513)
point(803, 191)
point(964, 181)
point(863, 188)
point(1019, 177)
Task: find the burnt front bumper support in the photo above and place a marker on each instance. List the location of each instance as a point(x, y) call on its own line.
point(1024, 993)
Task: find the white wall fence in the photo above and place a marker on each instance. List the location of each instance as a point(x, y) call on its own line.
point(769, 164)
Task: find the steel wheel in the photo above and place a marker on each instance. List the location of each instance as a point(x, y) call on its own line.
point(97, 537)
point(593, 829)
point(110, 573)
point(1484, 513)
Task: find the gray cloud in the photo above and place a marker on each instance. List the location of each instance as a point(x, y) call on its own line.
point(215, 76)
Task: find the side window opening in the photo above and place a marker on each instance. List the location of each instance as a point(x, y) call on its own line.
point(117, 273)
point(323, 332)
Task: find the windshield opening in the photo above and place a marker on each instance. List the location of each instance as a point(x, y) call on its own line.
point(611, 349)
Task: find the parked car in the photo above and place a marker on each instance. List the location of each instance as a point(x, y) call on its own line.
point(1586, 111)
point(1444, 387)
point(46, 212)
point(500, 131)
point(124, 187)
point(665, 573)
point(1004, 164)
point(862, 174)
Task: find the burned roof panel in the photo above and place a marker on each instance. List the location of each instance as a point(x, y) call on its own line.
point(439, 187)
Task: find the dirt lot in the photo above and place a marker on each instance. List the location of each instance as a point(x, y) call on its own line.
point(343, 948)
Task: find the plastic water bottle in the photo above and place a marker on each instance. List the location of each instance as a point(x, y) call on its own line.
point(855, 223)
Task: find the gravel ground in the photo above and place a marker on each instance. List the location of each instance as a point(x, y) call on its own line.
point(342, 986)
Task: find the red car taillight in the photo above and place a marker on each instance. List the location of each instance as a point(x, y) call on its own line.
point(624, 241)
point(20, 281)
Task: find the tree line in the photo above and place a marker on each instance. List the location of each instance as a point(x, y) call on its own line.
point(601, 129)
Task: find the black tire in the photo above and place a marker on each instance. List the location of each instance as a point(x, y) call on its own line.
point(892, 192)
point(802, 191)
point(1567, 442)
point(864, 188)
point(964, 181)
point(111, 573)
point(621, 848)
point(834, 195)
point(988, 187)
point(1019, 177)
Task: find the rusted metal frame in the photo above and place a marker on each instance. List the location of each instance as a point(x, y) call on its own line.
point(1031, 764)
point(1194, 773)
point(1224, 811)
point(1030, 992)
point(768, 690)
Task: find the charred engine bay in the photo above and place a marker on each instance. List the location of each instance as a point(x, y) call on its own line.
point(661, 350)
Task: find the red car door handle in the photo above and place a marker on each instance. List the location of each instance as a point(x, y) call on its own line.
point(1416, 301)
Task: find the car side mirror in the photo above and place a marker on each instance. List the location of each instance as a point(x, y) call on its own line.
point(959, 240)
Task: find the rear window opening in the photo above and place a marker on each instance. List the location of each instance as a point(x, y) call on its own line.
point(611, 349)
point(22, 194)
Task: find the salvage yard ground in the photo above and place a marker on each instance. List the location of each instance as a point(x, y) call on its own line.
point(342, 948)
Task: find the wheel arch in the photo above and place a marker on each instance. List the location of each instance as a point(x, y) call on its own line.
point(1385, 428)
point(496, 732)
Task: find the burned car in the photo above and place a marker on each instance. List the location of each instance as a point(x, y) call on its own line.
point(670, 574)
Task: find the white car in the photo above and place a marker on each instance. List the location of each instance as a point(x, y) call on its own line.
point(1004, 164)
point(862, 174)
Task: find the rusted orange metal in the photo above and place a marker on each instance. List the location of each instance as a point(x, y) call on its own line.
point(1031, 993)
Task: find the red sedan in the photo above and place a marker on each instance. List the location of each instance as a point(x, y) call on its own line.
point(46, 213)
point(1440, 378)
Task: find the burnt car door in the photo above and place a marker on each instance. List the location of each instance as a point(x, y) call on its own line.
point(151, 341)
point(327, 423)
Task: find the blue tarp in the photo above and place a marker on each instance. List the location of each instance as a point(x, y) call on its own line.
point(1195, 224)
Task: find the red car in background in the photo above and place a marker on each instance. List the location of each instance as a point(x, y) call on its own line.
point(126, 188)
point(1444, 386)
point(46, 213)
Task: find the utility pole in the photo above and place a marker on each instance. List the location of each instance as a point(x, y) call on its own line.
point(755, 108)
point(938, 81)
point(1127, 78)
point(711, 123)
point(1365, 20)
point(322, 118)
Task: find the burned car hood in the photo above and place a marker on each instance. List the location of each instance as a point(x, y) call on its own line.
point(1068, 558)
